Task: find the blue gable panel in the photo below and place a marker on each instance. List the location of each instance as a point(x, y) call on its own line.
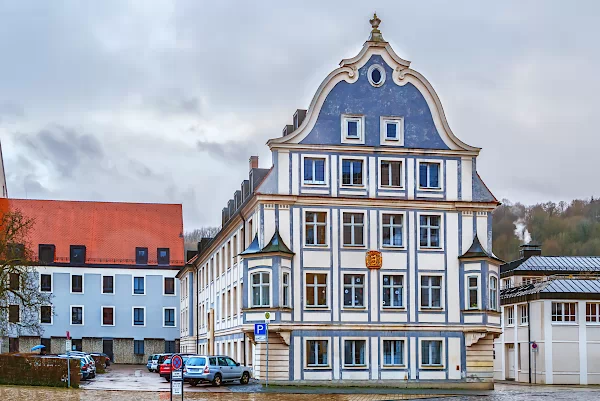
point(480, 192)
point(388, 100)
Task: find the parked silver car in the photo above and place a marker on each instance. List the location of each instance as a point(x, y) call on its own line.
point(214, 369)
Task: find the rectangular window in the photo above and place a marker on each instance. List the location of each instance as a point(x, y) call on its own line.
point(354, 229)
point(506, 283)
point(76, 315)
point(524, 314)
point(46, 314)
point(354, 290)
point(393, 288)
point(354, 352)
point(564, 312)
point(260, 289)
point(169, 286)
point(393, 352)
point(169, 347)
point(77, 283)
point(510, 315)
point(431, 292)
point(431, 353)
point(429, 175)
point(141, 256)
point(163, 256)
point(391, 130)
point(138, 286)
point(429, 231)
point(316, 353)
point(493, 293)
point(316, 228)
point(78, 254)
point(592, 312)
point(316, 289)
point(13, 314)
point(108, 316)
point(314, 171)
point(352, 172)
point(108, 285)
point(352, 127)
point(139, 316)
point(169, 317)
point(286, 289)
point(392, 225)
point(46, 282)
point(14, 281)
point(138, 347)
point(235, 301)
point(77, 345)
point(472, 292)
point(46, 253)
point(391, 174)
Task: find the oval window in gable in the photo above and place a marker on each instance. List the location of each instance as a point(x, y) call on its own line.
point(376, 75)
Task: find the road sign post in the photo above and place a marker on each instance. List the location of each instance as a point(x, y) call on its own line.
point(267, 319)
point(68, 347)
point(176, 376)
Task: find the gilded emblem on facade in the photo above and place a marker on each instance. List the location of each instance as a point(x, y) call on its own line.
point(373, 259)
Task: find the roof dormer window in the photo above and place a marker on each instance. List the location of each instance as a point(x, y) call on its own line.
point(163, 256)
point(77, 253)
point(141, 256)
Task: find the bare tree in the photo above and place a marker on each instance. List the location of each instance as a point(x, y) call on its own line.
point(192, 238)
point(20, 298)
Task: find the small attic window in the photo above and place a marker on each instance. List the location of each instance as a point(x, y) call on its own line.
point(376, 75)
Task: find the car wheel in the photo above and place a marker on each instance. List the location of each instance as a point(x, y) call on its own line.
point(245, 378)
point(217, 380)
point(193, 383)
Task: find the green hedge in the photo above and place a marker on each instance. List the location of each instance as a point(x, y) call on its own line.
point(36, 371)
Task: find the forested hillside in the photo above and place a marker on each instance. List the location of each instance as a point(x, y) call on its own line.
point(568, 229)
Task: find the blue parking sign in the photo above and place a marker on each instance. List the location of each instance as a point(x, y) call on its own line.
point(260, 332)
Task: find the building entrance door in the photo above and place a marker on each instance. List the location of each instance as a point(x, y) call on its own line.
point(510, 362)
point(107, 348)
point(13, 344)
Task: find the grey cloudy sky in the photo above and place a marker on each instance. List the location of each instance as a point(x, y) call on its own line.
point(164, 101)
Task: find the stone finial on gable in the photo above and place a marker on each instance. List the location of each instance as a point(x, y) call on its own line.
point(375, 32)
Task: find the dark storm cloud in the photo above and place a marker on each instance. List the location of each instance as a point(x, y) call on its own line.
point(106, 92)
point(62, 149)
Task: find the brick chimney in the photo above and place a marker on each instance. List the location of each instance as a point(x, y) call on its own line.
point(253, 162)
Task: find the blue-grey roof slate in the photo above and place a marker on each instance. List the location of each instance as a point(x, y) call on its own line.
point(571, 286)
point(561, 264)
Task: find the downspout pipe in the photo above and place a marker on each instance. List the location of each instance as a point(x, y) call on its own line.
point(529, 337)
point(241, 295)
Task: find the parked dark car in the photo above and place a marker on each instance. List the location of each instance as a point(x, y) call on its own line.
point(106, 358)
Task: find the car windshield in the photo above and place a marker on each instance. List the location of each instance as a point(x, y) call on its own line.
point(167, 361)
point(196, 362)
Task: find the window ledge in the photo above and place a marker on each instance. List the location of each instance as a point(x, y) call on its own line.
point(433, 367)
point(394, 247)
point(313, 246)
point(394, 366)
point(317, 308)
point(354, 246)
point(393, 309)
point(565, 324)
point(389, 188)
point(435, 309)
point(355, 367)
point(346, 186)
point(318, 367)
point(432, 189)
point(315, 184)
point(354, 308)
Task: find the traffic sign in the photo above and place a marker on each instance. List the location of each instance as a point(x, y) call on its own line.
point(176, 362)
point(68, 345)
point(267, 317)
point(176, 375)
point(260, 332)
point(177, 388)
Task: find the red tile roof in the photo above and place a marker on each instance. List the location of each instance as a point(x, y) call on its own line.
point(110, 230)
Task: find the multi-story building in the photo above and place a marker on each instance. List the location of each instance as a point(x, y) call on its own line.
point(110, 270)
point(550, 319)
point(368, 241)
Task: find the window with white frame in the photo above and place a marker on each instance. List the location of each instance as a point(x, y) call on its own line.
point(354, 227)
point(393, 352)
point(472, 292)
point(393, 229)
point(260, 289)
point(169, 317)
point(429, 175)
point(592, 312)
point(354, 290)
point(354, 352)
point(431, 353)
point(530, 280)
point(506, 283)
point(429, 231)
point(45, 282)
point(393, 288)
point(46, 314)
point(509, 312)
point(285, 283)
point(316, 289)
point(352, 172)
point(493, 301)
point(76, 315)
point(352, 127)
point(138, 286)
point(315, 224)
point(524, 314)
point(139, 316)
point(314, 170)
point(431, 292)
point(108, 284)
point(392, 129)
point(564, 312)
point(391, 174)
point(317, 353)
point(108, 316)
point(77, 283)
